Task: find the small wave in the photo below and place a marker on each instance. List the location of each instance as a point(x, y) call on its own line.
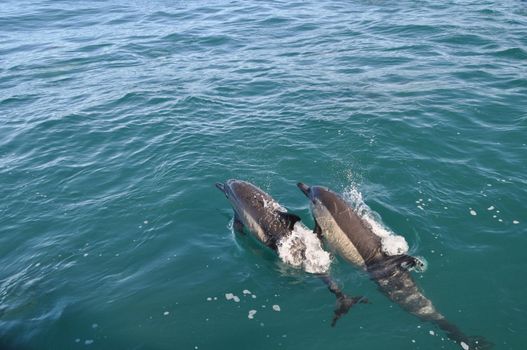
point(512, 53)
point(392, 244)
point(302, 249)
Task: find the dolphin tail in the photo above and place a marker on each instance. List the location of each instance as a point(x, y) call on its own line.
point(466, 342)
point(344, 303)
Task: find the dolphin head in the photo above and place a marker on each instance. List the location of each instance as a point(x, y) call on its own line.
point(325, 204)
point(235, 190)
point(221, 187)
point(304, 188)
point(242, 197)
point(225, 188)
point(316, 194)
point(311, 192)
point(258, 211)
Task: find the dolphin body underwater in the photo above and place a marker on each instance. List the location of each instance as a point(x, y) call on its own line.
point(352, 238)
point(269, 222)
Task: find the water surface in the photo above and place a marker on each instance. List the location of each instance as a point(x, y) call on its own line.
point(119, 116)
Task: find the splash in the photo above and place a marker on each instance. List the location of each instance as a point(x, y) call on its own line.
point(392, 244)
point(302, 249)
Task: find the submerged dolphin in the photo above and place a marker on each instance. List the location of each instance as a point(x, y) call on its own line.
point(346, 232)
point(269, 222)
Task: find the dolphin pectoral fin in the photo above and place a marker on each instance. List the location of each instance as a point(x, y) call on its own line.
point(407, 262)
point(290, 219)
point(237, 225)
point(412, 263)
point(317, 230)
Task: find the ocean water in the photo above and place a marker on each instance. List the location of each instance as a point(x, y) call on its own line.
point(117, 118)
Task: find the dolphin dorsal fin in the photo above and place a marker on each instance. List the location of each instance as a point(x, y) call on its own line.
point(289, 218)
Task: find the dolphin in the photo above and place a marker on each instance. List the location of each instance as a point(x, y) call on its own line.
point(353, 239)
point(270, 222)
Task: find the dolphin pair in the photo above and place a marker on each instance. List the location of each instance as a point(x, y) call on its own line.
point(270, 223)
point(353, 238)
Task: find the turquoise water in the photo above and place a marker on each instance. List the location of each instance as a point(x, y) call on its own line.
point(119, 116)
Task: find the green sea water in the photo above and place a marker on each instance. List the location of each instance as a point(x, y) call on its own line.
point(117, 118)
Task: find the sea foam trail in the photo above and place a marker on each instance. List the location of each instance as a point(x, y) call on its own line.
point(302, 249)
point(392, 244)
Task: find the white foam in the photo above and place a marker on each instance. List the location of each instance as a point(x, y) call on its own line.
point(251, 314)
point(515, 222)
point(473, 212)
point(490, 208)
point(302, 249)
point(392, 244)
point(276, 308)
point(230, 296)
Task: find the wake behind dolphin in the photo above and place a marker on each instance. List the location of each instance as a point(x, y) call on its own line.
point(283, 232)
point(353, 238)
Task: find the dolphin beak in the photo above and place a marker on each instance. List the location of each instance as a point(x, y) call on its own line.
point(304, 188)
point(220, 186)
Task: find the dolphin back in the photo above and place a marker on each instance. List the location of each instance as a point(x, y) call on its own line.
point(331, 207)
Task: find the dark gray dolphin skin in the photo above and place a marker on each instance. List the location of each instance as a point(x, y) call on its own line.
point(347, 233)
point(269, 222)
point(254, 209)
